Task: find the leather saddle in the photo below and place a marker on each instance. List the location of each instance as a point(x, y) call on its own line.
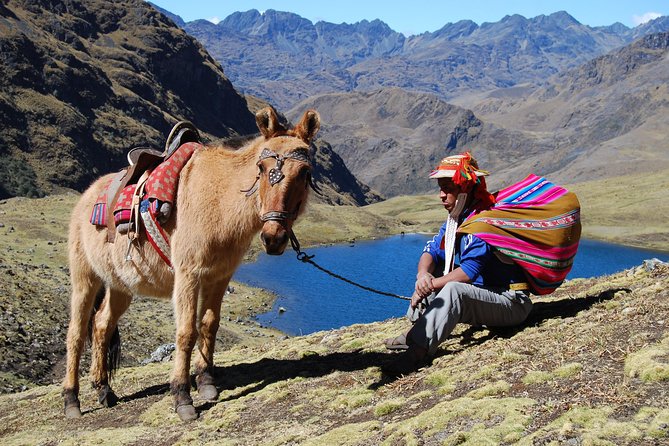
point(144, 159)
point(141, 159)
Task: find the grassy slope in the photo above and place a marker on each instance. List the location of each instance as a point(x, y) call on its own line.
point(594, 374)
point(630, 210)
point(590, 367)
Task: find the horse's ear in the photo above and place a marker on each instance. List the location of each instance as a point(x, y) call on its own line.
point(268, 122)
point(308, 126)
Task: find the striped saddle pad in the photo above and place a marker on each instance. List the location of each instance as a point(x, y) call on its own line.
point(537, 224)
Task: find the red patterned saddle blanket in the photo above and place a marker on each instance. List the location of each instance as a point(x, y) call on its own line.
point(160, 188)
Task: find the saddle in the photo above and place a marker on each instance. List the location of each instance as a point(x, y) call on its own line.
point(142, 161)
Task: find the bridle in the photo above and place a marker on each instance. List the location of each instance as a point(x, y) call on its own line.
point(274, 176)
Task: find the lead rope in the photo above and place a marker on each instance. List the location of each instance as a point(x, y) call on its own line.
point(303, 257)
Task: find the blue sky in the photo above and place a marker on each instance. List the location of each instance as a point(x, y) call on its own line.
point(415, 17)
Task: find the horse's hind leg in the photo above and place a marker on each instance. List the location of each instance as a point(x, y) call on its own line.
point(106, 344)
point(209, 317)
point(85, 285)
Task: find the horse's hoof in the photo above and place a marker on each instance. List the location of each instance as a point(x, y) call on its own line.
point(107, 397)
point(72, 412)
point(207, 392)
point(186, 412)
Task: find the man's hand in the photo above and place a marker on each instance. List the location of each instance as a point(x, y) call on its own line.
point(424, 285)
point(416, 300)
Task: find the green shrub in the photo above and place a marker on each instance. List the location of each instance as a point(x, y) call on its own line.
point(17, 179)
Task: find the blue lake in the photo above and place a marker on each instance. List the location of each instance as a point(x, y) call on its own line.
point(314, 301)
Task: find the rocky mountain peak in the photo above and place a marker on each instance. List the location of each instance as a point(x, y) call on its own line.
point(270, 23)
point(563, 19)
point(452, 31)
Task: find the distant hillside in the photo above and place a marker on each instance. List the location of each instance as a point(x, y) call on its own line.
point(391, 138)
point(460, 59)
point(609, 116)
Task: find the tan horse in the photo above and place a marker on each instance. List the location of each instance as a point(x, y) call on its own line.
point(212, 229)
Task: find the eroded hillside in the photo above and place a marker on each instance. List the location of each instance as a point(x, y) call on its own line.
point(83, 82)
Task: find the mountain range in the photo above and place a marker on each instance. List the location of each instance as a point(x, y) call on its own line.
point(546, 94)
point(605, 118)
point(460, 59)
point(82, 82)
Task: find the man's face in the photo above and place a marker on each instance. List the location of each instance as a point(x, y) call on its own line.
point(448, 193)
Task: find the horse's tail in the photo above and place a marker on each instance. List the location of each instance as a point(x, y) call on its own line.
point(114, 348)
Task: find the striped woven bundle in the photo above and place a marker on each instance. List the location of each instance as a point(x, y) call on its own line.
point(537, 224)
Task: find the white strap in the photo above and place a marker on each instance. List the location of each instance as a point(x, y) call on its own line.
point(451, 227)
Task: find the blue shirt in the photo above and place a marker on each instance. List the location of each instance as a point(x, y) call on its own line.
point(477, 259)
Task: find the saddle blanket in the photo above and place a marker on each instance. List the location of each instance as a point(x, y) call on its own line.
point(537, 224)
point(161, 187)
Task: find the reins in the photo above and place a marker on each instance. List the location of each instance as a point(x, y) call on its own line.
point(275, 175)
point(304, 257)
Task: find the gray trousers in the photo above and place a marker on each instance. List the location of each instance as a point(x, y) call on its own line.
point(462, 302)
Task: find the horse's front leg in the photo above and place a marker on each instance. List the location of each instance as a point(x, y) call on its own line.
point(209, 316)
point(186, 288)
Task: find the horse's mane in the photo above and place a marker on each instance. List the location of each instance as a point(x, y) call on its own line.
point(237, 141)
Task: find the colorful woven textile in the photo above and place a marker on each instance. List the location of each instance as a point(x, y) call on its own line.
point(161, 185)
point(537, 224)
point(99, 214)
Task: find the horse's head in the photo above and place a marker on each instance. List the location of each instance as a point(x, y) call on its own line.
point(284, 169)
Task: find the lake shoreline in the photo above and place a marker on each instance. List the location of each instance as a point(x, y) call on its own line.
point(664, 248)
point(298, 286)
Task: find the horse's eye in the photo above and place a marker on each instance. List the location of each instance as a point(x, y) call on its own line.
point(261, 168)
point(305, 172)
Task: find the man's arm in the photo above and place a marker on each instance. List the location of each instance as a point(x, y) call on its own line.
point(436, 283)
point(457, 275)
point(424, 276)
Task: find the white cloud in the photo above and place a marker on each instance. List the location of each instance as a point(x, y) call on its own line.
point(214, 20)
point(643, 18)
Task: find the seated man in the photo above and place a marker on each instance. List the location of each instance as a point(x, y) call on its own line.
point(479, 286)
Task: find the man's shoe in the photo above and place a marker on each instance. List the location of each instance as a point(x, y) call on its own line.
point(396, 343)
point(408, 362)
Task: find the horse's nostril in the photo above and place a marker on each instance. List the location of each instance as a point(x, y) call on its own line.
point(274, 243)
point(283, 238)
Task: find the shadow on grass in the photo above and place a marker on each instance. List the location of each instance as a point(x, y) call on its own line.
point(541, 311)
point(254, 376)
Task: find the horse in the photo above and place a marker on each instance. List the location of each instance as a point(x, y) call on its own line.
point(217, 216)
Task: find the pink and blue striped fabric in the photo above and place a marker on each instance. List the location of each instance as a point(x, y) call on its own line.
point(535, 223)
